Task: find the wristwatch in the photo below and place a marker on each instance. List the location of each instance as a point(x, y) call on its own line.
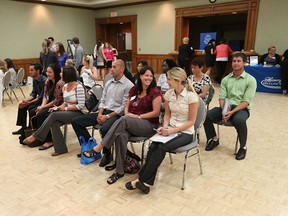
point(107, 116)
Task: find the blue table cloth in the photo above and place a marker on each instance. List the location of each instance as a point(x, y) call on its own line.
point(268, 78)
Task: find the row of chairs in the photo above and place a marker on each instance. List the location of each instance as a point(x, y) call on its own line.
point(10, 89)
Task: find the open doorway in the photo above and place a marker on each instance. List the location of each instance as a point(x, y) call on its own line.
point(121, 32)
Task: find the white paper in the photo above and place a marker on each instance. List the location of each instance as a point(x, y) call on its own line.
point(163, 139)
point(226, 107)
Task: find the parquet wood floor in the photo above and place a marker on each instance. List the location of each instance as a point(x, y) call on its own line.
point(35, 183)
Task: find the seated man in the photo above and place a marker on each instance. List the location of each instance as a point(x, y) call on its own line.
point(31, 103)
point(111, 107)
point(238, 88)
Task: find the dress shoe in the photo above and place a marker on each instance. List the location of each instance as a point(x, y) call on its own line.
point(106, 159)
point(241, 154)
point(110, 167)
point(35, 144)
point(43, 147)
point(145, 189)
point(211, 145)
point(129, 186)
point(20, 131)
point(57, 153)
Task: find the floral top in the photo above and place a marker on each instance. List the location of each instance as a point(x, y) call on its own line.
point(58, 94)
point(198, 85)
point(143, 105)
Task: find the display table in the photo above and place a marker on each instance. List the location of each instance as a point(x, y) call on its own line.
point(268, 78)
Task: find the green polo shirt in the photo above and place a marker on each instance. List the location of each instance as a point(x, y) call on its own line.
point(238, 89)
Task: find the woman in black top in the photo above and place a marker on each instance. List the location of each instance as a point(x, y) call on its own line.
point(210, 55)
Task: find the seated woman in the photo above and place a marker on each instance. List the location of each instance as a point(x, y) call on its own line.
point(181, 105)
point(53, 96)
point(13, 71)
point(201, 82)
point(88, 72)
point(270, 58)
point(140, 65)
point(73, 106)
point(162, 80)
point(141, 117)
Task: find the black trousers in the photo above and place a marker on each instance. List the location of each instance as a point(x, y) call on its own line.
point(221, 68)
point(80, 123)
point(284, 75)
point(156, 155)
point(185, 64)
point(22, 114)
point(238, 120)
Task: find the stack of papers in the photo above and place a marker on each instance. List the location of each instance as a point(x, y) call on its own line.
point(163, 139)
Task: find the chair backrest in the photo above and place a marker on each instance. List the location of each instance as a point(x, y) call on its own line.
point(107, 77)
point(97, 90)
point(20, 75)
point(201, 114)
point(211, 93)
point(6, 79)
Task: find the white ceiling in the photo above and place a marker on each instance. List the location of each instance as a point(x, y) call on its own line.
point(95, 4)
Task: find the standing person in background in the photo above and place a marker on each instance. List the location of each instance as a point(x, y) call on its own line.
point(210, 55)
point(61, 54)
point(34, 100)
point(13, 71)
point(79, 53)
point(47, 56)
point(52, 45)
point(185, 52)
point(284, 72)
point(108, 56)
point(222, 53)
point(3, 68)
point(115, 51)
point(98, 55)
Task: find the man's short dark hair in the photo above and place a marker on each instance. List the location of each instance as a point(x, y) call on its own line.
point(75, 40)
point(241, 55)
point(69, 74)
point(37, 66)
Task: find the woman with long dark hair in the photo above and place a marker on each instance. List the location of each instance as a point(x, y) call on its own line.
point(13, 71)
point(53, 96)
point(141, 116)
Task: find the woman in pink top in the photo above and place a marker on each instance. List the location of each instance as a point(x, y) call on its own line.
point(222, 52)
point(108, 56)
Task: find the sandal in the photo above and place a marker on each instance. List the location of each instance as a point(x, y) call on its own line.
point(145, 189)
point(114, 177)
point(90, 153)
point(129, 186)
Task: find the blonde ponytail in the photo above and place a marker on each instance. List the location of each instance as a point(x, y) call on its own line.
point(179, 74)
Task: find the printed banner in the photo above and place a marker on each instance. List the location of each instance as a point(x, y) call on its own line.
point(205, 38)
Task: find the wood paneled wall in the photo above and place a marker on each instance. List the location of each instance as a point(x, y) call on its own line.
point(25, 63)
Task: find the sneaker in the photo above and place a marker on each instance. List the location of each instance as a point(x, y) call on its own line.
point(241, 154)
point(211, 145)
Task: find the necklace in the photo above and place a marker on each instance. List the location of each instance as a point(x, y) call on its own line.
point(136, 103)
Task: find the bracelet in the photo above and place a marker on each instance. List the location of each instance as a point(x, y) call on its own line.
point(66, 108)
point(139, 117)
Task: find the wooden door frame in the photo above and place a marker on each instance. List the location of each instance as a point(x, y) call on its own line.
point(117, 20)
point(251, 7)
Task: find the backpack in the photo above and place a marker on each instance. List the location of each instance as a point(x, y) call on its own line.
point(91, 100)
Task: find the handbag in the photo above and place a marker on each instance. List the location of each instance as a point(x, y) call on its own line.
point(85, 146)
point(131, 163)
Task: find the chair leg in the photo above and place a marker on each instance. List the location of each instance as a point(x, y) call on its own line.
point(65, 132)
point(22, 91)
point(9, 97)
point(200, 163)
point(236, 145)
point(171, 159)
point(15, 95)
point(184, 171)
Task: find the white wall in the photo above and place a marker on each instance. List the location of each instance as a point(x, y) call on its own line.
point(25, 25)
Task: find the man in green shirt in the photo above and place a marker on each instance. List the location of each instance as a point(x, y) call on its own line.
point(237, 91)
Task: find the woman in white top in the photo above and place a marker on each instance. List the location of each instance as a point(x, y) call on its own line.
point(181, 105)
point(88, 72)
point(201, 82)
point(13, 71)
point(3, 68)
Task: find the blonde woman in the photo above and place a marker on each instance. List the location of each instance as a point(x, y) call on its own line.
point(181, 105)
point(88, 73)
